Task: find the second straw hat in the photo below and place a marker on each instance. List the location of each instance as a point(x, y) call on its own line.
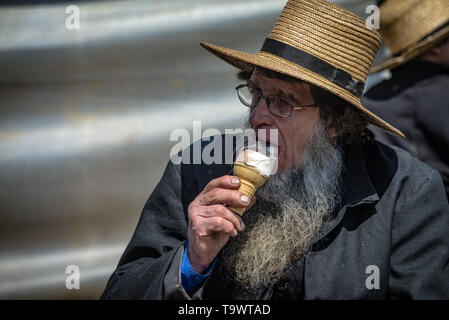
point(411, 27)
point(321, 43)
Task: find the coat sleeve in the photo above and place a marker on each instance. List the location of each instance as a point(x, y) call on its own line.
point(420, 243)
point(155, 246)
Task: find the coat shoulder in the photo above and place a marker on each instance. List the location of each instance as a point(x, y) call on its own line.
point(411, 173)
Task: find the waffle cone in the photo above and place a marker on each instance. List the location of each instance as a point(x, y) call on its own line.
point(250, 180)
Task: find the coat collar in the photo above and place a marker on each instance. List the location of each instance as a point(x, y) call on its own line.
point(357, 186)
point(405, 77)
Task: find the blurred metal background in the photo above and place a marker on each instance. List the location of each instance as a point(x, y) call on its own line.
point(85, 120)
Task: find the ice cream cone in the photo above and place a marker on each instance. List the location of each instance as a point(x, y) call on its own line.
point(250, 180)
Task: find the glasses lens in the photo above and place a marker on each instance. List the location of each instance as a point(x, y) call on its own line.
point(280, 107)
point(245, 96)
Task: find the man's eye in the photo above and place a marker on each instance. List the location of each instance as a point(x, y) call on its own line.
point(284, 102)
point(269, 100)
point(256, 93)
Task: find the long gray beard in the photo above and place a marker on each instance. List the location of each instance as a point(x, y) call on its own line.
point(286, 219)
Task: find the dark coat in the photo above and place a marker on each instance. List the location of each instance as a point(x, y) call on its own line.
point(394, 216)
point(416, 101)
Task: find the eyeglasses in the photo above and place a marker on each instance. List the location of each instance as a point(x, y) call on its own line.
point(278, 106)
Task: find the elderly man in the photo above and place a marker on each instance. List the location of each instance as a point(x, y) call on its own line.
point(345, 217)
point(416, 97)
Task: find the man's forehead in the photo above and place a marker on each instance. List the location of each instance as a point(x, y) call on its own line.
point(271, 76)
point(275, 90)
point(289, 89)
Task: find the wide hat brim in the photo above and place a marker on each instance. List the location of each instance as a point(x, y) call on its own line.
point(246, 62)
point(411, 52)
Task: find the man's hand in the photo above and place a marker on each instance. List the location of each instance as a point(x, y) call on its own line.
point(211, 224)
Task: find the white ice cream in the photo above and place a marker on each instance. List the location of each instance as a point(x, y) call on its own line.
point(266, 165)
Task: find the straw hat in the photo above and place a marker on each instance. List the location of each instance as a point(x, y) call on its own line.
point(321, 43)
point(411, 27)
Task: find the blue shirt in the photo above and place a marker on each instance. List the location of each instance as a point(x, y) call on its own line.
point(190, 279)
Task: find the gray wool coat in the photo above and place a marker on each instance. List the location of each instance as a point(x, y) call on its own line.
point(389, 239)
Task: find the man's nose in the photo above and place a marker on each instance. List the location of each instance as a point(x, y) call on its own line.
point(260, 115)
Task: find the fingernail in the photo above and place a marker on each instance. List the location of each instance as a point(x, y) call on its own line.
point(244, 198)
point(242, 225)
point(235, 180)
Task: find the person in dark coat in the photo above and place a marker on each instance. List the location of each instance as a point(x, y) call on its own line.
point(343, 217)
point(416, 97)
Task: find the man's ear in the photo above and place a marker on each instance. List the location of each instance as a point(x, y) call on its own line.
point(330, 129)
point(331, 133)
point(437, 53)
point(434, 52)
